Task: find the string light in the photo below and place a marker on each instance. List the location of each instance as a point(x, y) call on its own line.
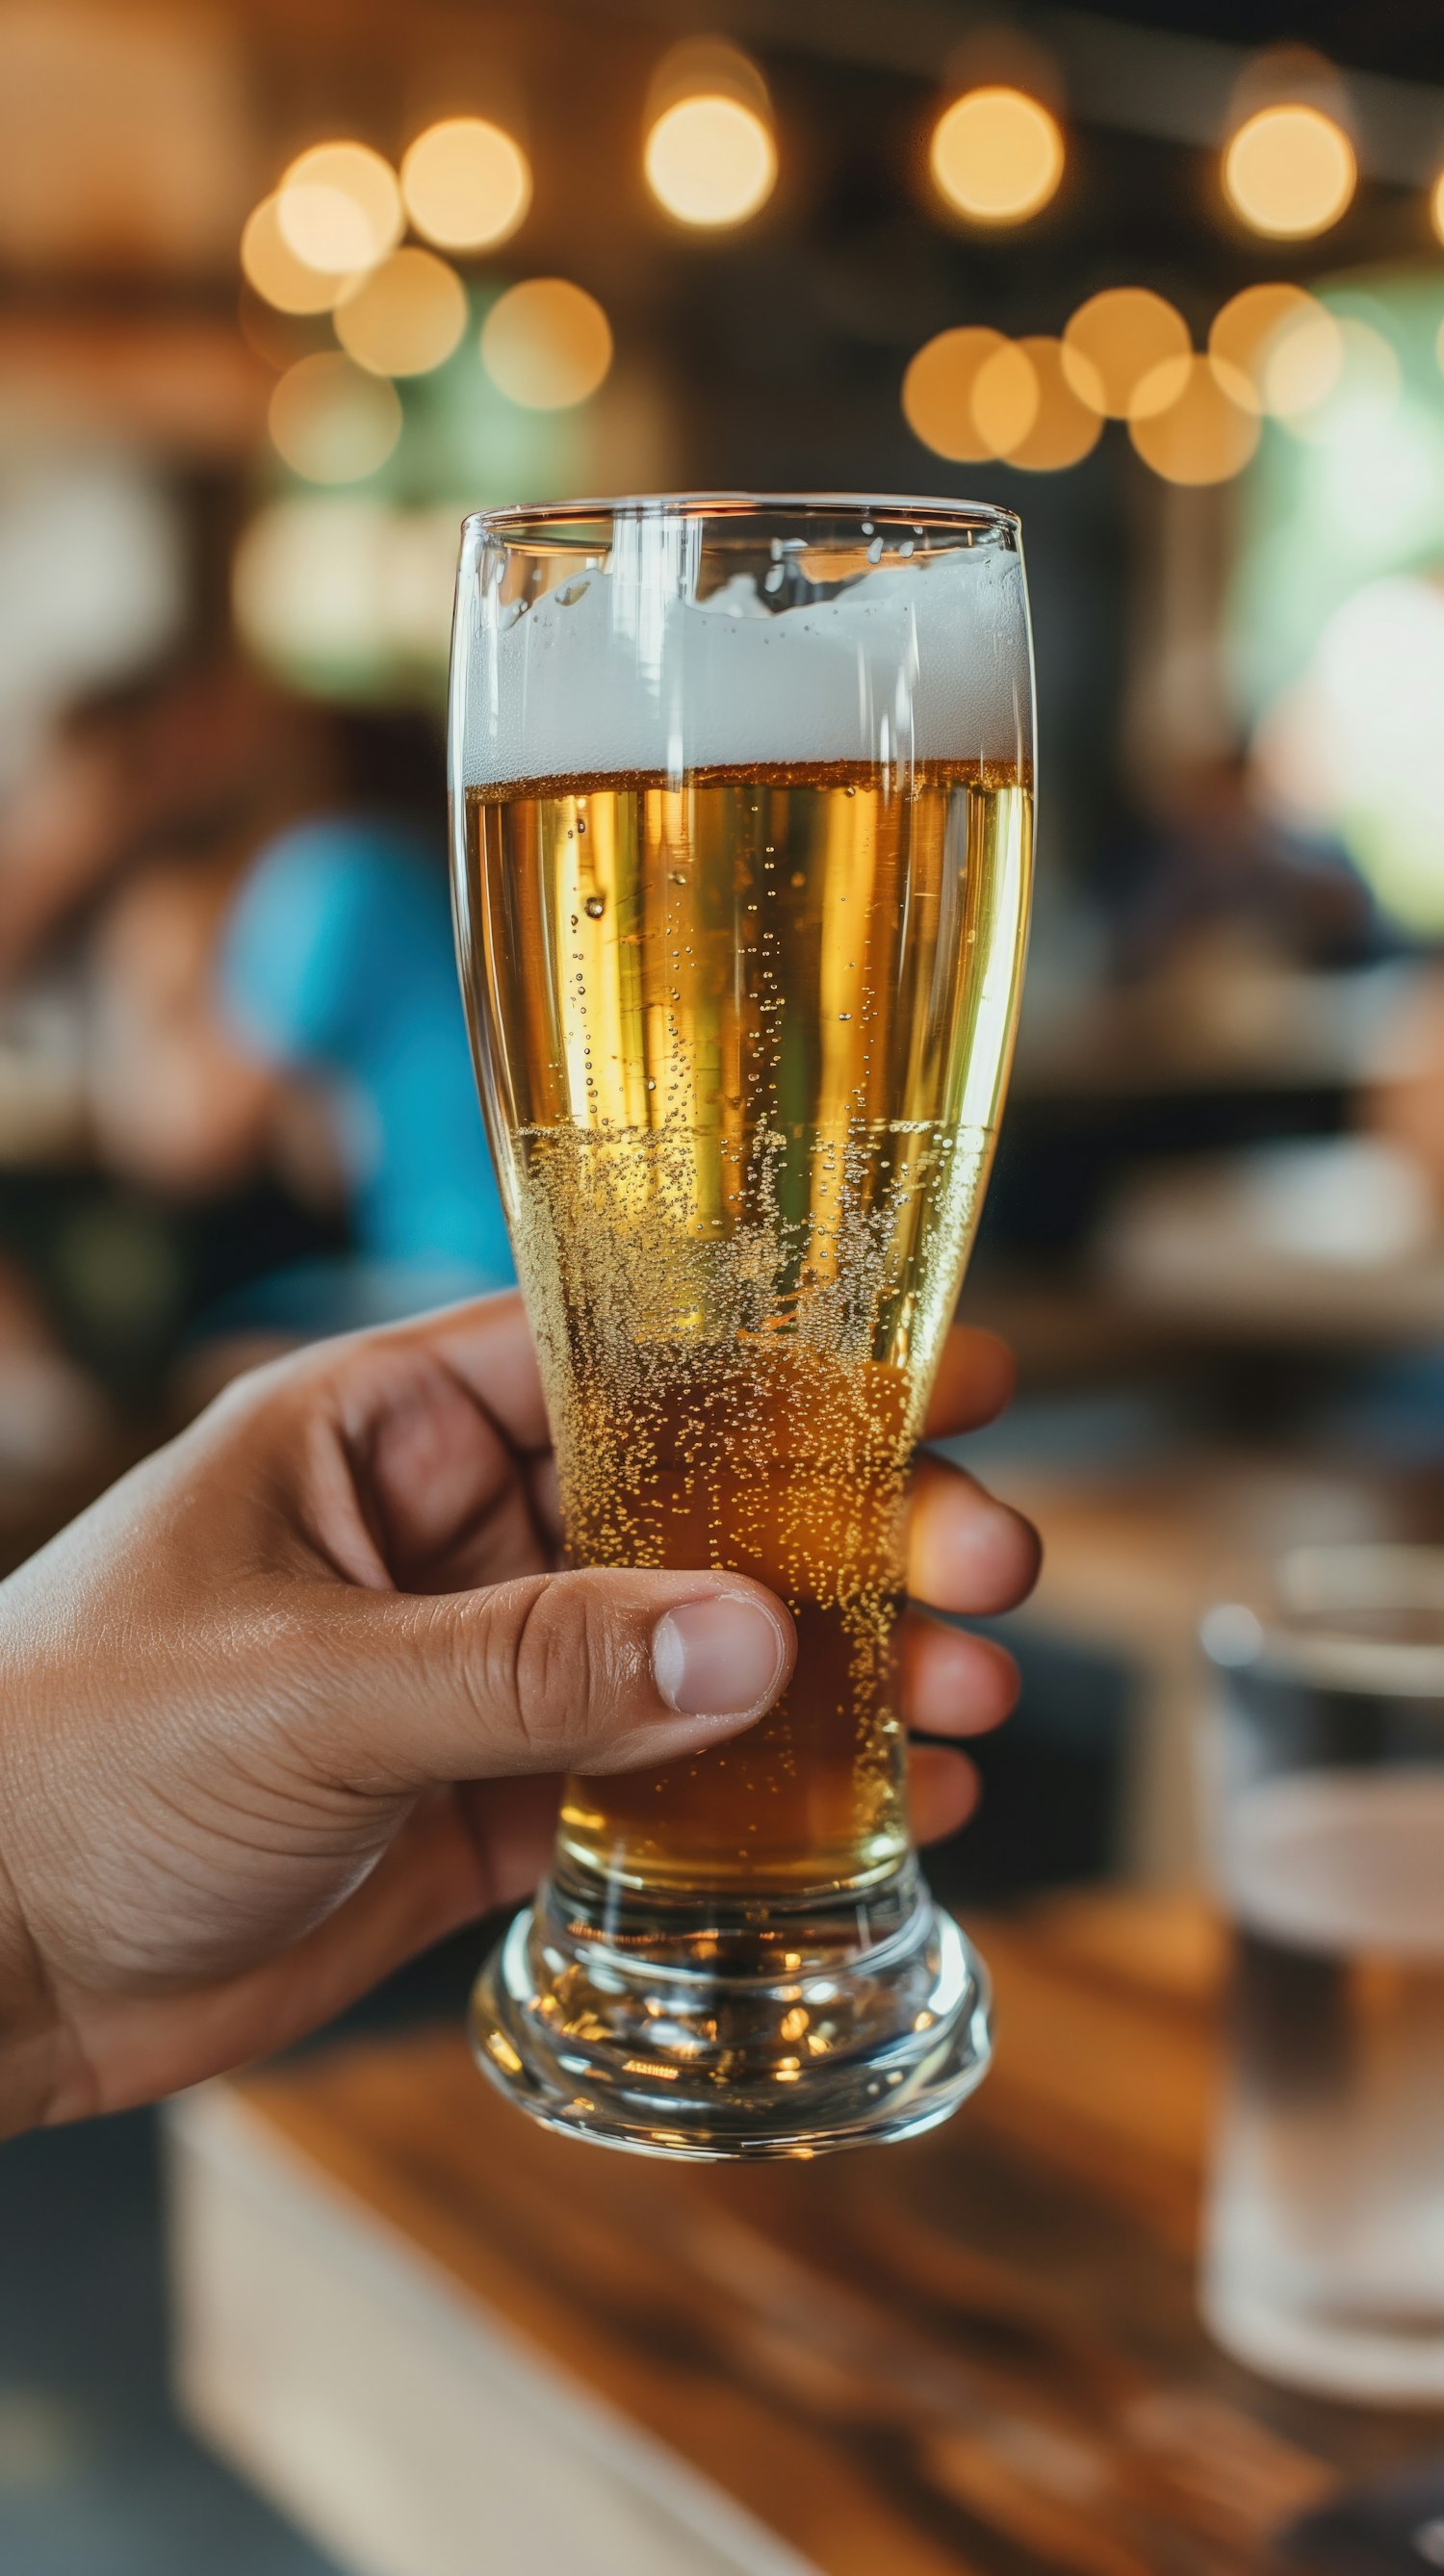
point(1301, 362)
point(331, 421)
point(546, 344)
point(1063, 429)
point(1005, 399)
point(1115, 341)
point(710, 160)
point(278, 276)
point(339, 208)
point(466, 184)
point(1195, 420)
point(997, 155)
point(1250, 326)
point(1364, 376)
point(405, 316)
point(937, 392)
point(1290, 171)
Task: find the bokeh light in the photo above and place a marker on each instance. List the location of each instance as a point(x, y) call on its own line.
point(331, 587)
point(546, 344)
point(1005, 398)
point(710, 160)
point(339, 208)
point(278, 276)
point(1195, 420)
point(466, 183)
point(331, 421)
point(1290, 171)
point(1115, 341)
point(997, 155)
point(1354, 746)
point(937, 391)
point(1301, 362)
point(1063, 429)
point(1251, 326)
point(1363, 376)
point(403, 317)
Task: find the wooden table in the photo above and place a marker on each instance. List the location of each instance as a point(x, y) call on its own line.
point(450, 2344)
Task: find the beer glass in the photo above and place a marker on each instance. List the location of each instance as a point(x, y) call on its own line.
point(742, 797)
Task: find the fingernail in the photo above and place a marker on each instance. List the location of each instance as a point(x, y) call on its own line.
point(718, 1658)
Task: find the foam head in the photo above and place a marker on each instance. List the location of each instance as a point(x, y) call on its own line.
point(621, 668)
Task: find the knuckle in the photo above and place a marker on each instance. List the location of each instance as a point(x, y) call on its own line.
point(560, 1669)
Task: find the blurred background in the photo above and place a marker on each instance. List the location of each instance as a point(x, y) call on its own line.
point(286, 288)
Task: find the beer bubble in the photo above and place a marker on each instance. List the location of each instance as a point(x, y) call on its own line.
point(595, 904)
point(797, 878)
point(581, 822)
point(677, 876)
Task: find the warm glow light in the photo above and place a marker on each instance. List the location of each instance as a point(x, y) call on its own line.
point(332, 422)
point(937, 392)
point(467, 185)
point(1063, 429)
point(710, 160)
point(1005, 398)
point(1301, 363)
point(1117, 339)
point(997, 155)
point(546, 344)
point(339, 208)
point(1290, 171)
point(1196, 420)
point(326, 582)
point(405, 316)
point(272, 268)
point(1252, 324)
point(1367, 378)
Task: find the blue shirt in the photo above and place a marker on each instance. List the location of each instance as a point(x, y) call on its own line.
point(338, 959)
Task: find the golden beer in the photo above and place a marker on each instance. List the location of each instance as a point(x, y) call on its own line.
point(742, 838)
point(750, 1033)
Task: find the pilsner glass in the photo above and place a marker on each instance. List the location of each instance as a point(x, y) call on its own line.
point(742, 800)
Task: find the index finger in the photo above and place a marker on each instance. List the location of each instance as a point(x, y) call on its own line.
point(975, 1379)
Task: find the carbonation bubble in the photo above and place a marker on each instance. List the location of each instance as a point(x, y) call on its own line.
point(595, 905)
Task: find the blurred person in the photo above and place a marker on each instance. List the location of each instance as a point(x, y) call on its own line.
point(290, 1702)
point(291, 1007)
point(1211, 860)
point(338, 964)
point(183, 758)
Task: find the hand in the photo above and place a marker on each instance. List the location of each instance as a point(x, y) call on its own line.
point(290, 1702)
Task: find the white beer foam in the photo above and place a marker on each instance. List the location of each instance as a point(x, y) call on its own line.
point(607, 673)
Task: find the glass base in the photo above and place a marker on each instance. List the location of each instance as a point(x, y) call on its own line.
point(722, 2027)
point(1373, 2361)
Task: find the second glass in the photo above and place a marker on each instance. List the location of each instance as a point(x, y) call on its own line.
point(742, 793)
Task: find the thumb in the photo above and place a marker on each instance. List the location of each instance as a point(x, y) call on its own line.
point(599, 1670)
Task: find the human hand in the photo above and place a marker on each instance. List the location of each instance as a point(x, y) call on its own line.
point(290, 1701)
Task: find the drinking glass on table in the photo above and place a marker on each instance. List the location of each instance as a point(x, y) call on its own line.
point(1324, 2242)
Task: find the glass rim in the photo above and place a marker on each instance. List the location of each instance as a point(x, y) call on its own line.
point(512, 516)
point(1267, 1637)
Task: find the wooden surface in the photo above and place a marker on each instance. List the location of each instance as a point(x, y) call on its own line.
point(976, 2353)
